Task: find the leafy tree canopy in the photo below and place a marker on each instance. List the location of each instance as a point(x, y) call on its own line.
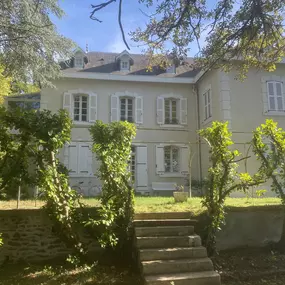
point(29, 43)
point(251, 30)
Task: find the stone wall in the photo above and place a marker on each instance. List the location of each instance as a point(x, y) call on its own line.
point(251, 227)
point(29, 235)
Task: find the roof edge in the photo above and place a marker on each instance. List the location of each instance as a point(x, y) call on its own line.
point(130, 78)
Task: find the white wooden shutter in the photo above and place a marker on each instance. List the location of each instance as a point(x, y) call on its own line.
point(141, 166)
point(183, 111)
point(160, 110)
point(67, 103)
point(184, 160)
point(90, 160)
point(279, 96)
point(271, 97)
point(92, 108)
point(139, 110)
point(159, 155)
point(83, 159)
point(72, 158)
point(114, 108)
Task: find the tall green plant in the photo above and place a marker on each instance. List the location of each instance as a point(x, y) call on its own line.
point(36, 140)
point(112, 145)
point(269, 146)
point(223, 177)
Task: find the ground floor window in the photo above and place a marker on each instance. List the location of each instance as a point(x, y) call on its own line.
point(171, 159)
point(133, 164)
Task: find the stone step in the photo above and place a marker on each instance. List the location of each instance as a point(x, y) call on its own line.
point(163, 216)
point(172, 253)
point(163, 222)
point(193, 278)
point(167, 242)
point(176, 266)
point(164, 231)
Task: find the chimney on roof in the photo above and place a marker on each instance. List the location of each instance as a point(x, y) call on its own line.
point(87, 48)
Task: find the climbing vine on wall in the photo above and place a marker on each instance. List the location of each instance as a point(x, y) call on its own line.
point(112, 145)
point(29, 144)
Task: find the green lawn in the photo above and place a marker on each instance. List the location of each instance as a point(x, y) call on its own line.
point(159, 204)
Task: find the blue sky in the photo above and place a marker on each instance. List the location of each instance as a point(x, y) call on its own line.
point(105, 36)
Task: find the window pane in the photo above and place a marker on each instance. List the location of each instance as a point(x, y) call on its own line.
point(84, 111)
point(167, 111)
point(209, 99)
point(270, 88)
point(84, 105)
point(174, 112)
point(280, 103)
point(175, 159)
point(84, 118)
point(167, 158)
point(76, 117)
point(84, 98)
point(77, 98)
point(272, 103)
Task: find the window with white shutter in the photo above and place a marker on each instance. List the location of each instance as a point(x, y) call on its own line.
point(79, 159)
point(82, 106)
point(172, 160)
point(275, 96)
point(171, 110)
point(127, 106)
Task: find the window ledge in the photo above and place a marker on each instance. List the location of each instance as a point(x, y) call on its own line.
point(172, 126)
point(91, 175)
point(274, 113)
point(178, 174)
point(208, 120)
point(82, 124)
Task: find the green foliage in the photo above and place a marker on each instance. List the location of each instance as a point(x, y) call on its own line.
point(223, 31)
point(31, 44)
point(39, 136)
point(223, 177)
point(269, 146)
point(112, 145)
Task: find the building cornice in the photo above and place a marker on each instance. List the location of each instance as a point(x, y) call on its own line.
point(130, 78)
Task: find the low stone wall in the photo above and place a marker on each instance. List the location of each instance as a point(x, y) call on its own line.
point(251, 227)
point(29, 236)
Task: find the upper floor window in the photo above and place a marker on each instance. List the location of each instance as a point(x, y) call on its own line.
point(275, 96)
point(207, 104)
point(127, 109)
point(82, 106)
point(78, 62)
point(125, 65)
point(126, 106)
point(80, 111)
point(171, 110)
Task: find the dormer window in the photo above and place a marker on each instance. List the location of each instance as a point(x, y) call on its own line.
point(78, 62)
point(171, 69)
point(125, 65)
point(124, 61)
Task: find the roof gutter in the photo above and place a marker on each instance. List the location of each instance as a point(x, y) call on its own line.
point(130, 78)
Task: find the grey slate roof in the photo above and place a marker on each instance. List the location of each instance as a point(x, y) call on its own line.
point(104, 62)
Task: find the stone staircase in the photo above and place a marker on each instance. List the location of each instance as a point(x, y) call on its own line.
point(170, 253)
